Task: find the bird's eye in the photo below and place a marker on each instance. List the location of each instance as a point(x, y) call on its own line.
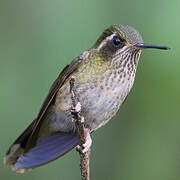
point(117, 41)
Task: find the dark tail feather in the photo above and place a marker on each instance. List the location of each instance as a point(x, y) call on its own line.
point(18, 147)
point(46, 150)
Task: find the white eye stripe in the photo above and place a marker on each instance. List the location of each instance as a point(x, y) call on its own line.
point(109, 38)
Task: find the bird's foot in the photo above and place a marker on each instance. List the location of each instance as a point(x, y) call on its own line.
point(86, 146)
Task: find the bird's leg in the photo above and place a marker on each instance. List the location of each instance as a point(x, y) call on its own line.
point(88, 139)
point(88, 142)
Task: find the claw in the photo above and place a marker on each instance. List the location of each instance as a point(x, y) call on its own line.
point(86, 146)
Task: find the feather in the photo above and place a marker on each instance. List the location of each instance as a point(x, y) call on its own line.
point(46, 150)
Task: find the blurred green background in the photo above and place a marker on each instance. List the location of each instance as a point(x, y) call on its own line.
point(39, 37)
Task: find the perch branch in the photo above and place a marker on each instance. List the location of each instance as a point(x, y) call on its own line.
point(79, 122)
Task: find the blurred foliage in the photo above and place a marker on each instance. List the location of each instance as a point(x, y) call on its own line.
point(39, 37)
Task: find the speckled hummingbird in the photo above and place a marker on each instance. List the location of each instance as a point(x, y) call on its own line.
point(104, 77)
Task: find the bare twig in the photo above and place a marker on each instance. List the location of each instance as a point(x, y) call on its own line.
point(79, 122)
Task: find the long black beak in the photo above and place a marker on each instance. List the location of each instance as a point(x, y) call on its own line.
point(145, 46)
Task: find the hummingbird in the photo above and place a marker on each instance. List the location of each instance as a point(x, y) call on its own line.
point(104, 76)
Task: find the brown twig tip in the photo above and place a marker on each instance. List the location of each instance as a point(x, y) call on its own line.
point(79, 122)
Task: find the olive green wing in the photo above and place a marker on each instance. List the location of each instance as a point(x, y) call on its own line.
point(28, 138)
point(58, 83)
